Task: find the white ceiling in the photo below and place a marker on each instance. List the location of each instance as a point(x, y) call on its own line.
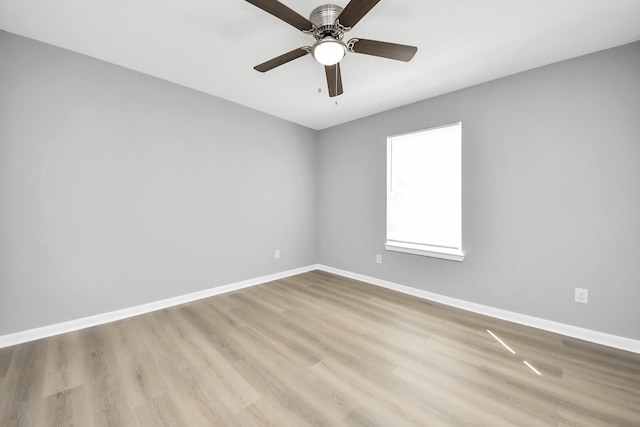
point(212, 46)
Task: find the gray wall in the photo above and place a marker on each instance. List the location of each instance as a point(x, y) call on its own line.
point(551, 193)
point(118, 189)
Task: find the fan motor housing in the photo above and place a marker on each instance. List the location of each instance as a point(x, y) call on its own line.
point(324, 18)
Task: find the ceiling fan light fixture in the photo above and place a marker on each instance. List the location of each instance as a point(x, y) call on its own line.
point(328, 51)
point(328, 24)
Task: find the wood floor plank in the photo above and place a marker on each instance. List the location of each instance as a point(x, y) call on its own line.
point(64, 369)
point(317, 401)
point(23, 385)
point(161, 411)
point(154, 331)
point(442, 394)
point(192, 393)
point(103, 383)
point(368, 394)
point(316, 350)
point(228, 385)
point(66, 408)
point(138, 369)
point(264, 414)
point(5, 359)
point(273, 382)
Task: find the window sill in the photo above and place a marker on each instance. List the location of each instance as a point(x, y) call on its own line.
point(451, 255)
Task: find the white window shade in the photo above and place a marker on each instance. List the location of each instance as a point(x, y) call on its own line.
point(424, 192)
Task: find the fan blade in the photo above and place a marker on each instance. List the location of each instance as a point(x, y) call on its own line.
point(282, 12)
point(282, 59)
point(399, 52)
point(354, 11)
point(334, 79)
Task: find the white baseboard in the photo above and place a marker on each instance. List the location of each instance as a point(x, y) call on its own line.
point(602, 338)
point(609, 340)
point(100, 319)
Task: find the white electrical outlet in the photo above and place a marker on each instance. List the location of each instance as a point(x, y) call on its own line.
point(378, 259)
point(277, 254)
point(582, 296)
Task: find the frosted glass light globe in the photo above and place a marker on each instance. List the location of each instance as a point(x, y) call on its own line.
point(328, 51)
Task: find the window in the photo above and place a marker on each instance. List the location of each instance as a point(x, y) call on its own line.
point(424, 192)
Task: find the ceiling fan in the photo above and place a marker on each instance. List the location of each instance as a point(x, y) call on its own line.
point(327, 24)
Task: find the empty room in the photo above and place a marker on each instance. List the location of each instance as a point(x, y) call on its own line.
point(293, 213)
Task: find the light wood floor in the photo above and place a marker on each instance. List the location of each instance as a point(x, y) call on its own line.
point(316, 350)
